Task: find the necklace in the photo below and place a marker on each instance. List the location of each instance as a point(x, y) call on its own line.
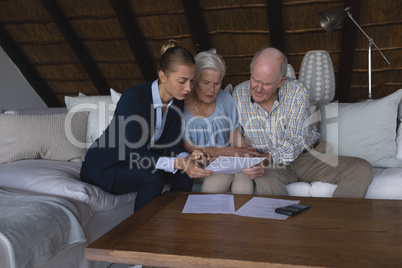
point(205, 112)
point(198, 112)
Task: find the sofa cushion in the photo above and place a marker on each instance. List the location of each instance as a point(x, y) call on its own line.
point(100, 108)
point(300, 188)
point(322, 189)
point(386, 184)
point(48, 136)
point(60, 179)
point(365, 129)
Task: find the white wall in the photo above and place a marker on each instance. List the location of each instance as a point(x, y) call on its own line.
point(15, 91)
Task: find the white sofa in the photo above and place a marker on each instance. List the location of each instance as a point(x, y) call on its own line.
point(368, 129)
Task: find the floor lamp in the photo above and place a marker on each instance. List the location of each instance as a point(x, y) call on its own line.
point(331, 18)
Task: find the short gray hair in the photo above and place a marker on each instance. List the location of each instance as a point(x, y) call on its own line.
point(209, 60)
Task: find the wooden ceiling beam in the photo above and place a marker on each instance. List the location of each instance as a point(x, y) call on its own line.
point(135, 38)
point(348, 46)
point(276, 24)
point(28, 71)
point(77, 46)
point(197, 24)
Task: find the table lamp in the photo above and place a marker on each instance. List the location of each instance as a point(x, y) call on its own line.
point(317, 74)
point(331, 18)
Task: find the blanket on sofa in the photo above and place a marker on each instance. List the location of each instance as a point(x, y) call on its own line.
point(36, 227)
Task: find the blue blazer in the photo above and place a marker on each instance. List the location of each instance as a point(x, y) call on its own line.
point(130, 132)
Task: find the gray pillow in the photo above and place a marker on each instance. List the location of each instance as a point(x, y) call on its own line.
point(364, 129)
point(58, 137)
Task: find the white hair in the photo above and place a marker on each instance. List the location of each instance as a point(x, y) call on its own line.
point(209, 60)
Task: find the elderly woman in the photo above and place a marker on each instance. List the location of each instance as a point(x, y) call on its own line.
point(211, 124)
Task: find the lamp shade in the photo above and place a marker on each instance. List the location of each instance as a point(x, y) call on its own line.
point(317, 74)
point(331, 18)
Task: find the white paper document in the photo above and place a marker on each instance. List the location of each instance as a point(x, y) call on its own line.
point(232, 164)
point(210, 203)
point(262, 207)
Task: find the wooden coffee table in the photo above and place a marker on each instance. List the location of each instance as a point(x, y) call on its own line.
point(332, 233)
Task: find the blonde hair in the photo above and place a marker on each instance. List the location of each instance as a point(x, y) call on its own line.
point(169, 44)
point(173, 55)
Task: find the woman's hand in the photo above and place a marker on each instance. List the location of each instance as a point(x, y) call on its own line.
point(194, 170)
point(193, 164)
point(200, 157)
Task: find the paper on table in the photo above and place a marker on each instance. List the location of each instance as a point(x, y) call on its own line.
point(232, 164)
point(210, 203)
point(262, 207)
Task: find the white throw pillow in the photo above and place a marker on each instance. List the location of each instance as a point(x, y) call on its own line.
point(49, 136)
point(229, 88)
point(100, 108)
point(399, 142)
point(115, 96)
point(364, 129)
point(290, 72)
point(399, 133)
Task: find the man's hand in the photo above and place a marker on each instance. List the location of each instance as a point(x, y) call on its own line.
point(259, 169)
point(255, 171)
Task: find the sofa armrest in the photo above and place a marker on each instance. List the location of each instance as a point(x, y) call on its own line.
point(53, 110)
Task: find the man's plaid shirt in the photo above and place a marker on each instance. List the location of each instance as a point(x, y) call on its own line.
point(284, 132)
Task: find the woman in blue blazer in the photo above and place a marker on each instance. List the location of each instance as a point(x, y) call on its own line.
point(142, 147)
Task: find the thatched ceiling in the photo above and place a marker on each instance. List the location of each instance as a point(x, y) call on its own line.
point(88, 46)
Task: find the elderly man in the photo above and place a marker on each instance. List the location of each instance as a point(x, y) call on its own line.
point(273, 113)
